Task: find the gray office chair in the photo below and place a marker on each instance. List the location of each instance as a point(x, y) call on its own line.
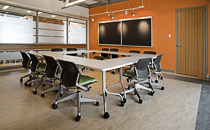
point(56, 49)
point(26, 65)
point(156, 69)
point(72, 49)
point(103, 55)
point(72, 79)
point(131, 67)
point(140, 75)
point(150, 52)
point(37, 69)
point(51, 70)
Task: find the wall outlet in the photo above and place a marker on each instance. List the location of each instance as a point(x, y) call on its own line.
point(126, 12)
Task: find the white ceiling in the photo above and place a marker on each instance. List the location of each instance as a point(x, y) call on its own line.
point(54, 5)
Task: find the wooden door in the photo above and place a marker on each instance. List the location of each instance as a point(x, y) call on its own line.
point(191, 41)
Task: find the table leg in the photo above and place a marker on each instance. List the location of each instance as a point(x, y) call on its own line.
point(123, 98)
point(106, 114)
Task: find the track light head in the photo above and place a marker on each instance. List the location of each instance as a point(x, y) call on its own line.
point(112, 16)
point(132, 13)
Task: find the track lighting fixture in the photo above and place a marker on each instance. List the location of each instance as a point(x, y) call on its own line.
point(112, 16)
point(133, 13)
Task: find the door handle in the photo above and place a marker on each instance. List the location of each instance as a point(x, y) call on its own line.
point(178, 45)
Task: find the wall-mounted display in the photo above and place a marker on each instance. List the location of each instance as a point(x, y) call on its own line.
point(126, 32)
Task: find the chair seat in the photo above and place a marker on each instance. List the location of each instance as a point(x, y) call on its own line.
point(131, 74)
point(84, 80)
point(153, 69)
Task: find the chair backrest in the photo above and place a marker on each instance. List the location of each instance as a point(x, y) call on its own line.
point(35, 62)
point(142, 68)
point(150, 52)
point(70, 74)
point(134, 51)
point(51, 66)
point(72, 49)
point(157, 63)
point(114, 55)
point(26, 59)
point(56, 49)
point(105, 54)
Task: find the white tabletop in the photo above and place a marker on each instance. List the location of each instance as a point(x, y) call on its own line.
point(102, 65)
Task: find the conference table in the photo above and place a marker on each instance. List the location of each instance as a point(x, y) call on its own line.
point(101, 65)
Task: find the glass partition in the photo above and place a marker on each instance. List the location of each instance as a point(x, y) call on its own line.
point(52, 28)
point(76, 31)
point(17, 26)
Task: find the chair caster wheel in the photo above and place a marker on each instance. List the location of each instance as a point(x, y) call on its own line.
point(97, 103)
point(30, 77)
point(61, 95)
point(54, 106)
point(161, 78)
point(156, 81)
point(152, 93)
point(106, 115)
point(129, 87)
point(162, 88)
point(43, 85)
point(35, 92)
point(21, 79)
point(29, 85)
point(78, 118)
point(124, 100)
point(105, 94)
point(140, 101)
point(122, 104)
point(56, 91)
point(25, 84)
point(42, 95)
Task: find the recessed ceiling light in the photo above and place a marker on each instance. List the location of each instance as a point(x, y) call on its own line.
point(39, 12)
point(29, 11)
point(5, 7)
point(53, 16)
point(72, 19)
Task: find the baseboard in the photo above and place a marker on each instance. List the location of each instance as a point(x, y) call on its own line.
point(172, 71)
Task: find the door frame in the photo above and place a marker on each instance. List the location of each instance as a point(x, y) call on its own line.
point(206, 35)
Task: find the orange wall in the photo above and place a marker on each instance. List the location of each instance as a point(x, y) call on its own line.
point(164, 23)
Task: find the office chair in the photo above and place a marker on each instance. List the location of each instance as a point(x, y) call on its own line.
point(103, 55)
point(26, 65)
point(51, 70)
point(72, 79)
point(56, 49)
point(140, 75)
point(131, 67)
point(150, 52)
point(156, 69)
point(72, 49)
point(37, 69)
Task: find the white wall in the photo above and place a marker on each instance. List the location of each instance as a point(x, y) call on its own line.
point(54, 5)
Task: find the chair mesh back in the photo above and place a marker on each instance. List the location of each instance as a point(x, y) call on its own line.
point(35, 62)
point(114, 55)
point(134, 51)
point(142, 69)
point(157, 63)
point(56, 49)
point(105, 54)
point(51, 66)
point(150, 52)
point(26, 59)
point(69, 73)
point(72, 49)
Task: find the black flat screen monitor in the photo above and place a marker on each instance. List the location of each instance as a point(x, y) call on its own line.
point(137, 32)
point(110, 33)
